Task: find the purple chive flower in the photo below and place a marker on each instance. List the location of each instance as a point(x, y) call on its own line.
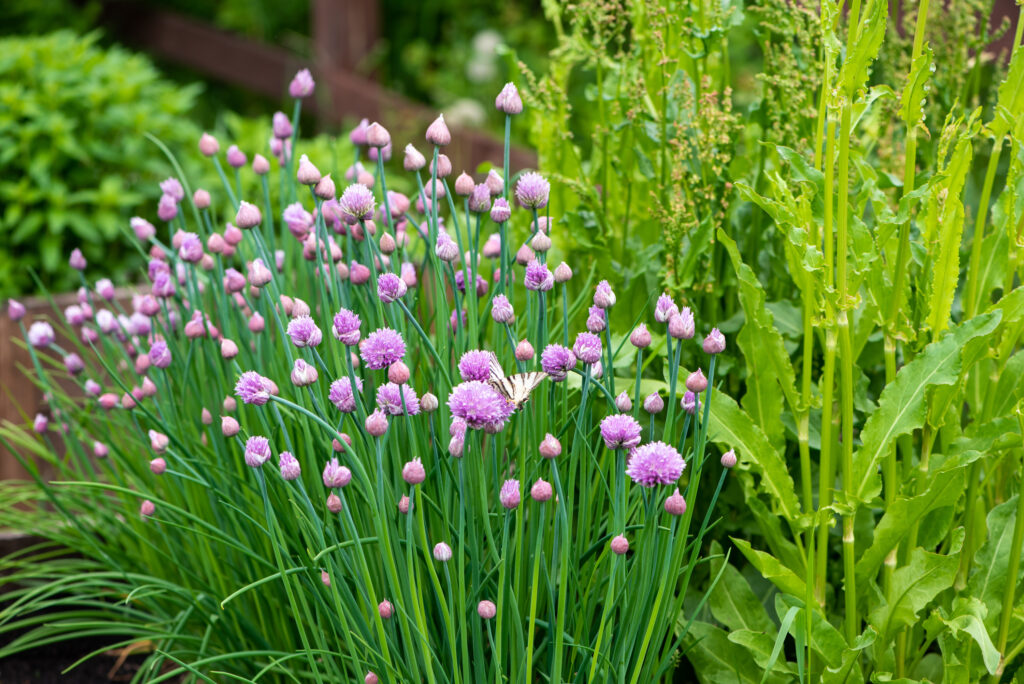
point(191, 249)
point(290, 468)
point(302, 84)
point(390, 287)
point(281, 126)
point(604, 297)
point(442, 552)
point(595, 319)
point(105, 288)
point(510, 495)
point(172, 187)
point(460, 282)
point(587, 347)
point(341, 394)
point(538, 277)
point(143, 229)
point(479, 404)
point(40, 423)
point(382, 348)
point(300, 221)
point(690, 403)
point(500, 211)
point(346, 327)
point(508, 100)
point(303, 374)
point(73, 364)
point(253, 388)
point(532, 190)
point(714, 343)
point(680, 325)
point(476, 365)
point(480, 199)
point(167, 209)
point(620, 431)
point(336, 475)
point(357, 202)
point(413, 472)
point(40, 334)
point(236, 157)
point(160, 354)
point(501, 310)
point(655, 464)
point(257, 451)
point(664, 309)
point(446, 249)
point(304, 332)
point(390, 398)
point(15, 310)
point(557, 361)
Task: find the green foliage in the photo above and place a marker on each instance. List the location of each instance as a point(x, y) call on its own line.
point(74, 163)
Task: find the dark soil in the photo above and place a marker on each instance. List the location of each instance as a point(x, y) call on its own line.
point(44, 665)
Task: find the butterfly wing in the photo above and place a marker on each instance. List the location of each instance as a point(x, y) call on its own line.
point(517, 388)
point(497, 374)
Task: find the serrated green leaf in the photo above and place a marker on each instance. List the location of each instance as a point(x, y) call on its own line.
point(913, 95)
point(731, 426)
point(772, 569)
point(901, 406)
point(870, 32)
point(991, 562)
point(968, 618)
point(913, 587)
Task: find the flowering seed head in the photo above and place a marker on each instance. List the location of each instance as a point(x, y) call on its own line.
point(303, 374)
point(664, 309)
point(396, 400)
point(253, 388)
point(479, 404)
point(620, 431)
point(341, 394)
point(357, 202)
point(160, 354)
point(336, 475)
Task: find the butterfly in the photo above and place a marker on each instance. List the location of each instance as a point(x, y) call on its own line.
point(515, 388)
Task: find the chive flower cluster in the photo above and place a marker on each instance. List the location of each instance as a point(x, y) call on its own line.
point(455, 399)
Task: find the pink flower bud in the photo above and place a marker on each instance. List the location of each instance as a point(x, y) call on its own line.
point(623, 403)
point(495, 183)
point(541, 491)
point(442, 552)
point(524, 350)
point(654, 404)
point(236, 158)
point(158, 441)
point(696, 382)
point(206, 417)
point(563, 273)
point(307, 173)
point(550, 447)
point(486, 609)
point(377, 423)
point(229, 426)
point(464, 185)
point(403, 504)
point(398, 373)
point(325, 188)
point(429, 403)
point(127, 402)
point(147, 508)
point(108, 401)
point(377, 135)
point(675, 504)
point(15, 310)
point(620, 545)
point(385, 609)
point(729, 459)
point(444, 167)
point(508, 100)
point(248, 216)
point(208, 145)
point(413, 472)
point(158, 466)
point(260, 165)
point(640, 337)
point(714, 343)
point(334, 503)
point(438, 134)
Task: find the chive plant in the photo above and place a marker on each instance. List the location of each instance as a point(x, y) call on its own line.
point(355, 437)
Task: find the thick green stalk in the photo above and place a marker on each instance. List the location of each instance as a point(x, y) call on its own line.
point(1010, 591)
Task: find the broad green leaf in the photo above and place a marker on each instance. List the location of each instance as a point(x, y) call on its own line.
point(825, 639)
point(913, 587)
point(771, 569)
point(905, 513)
point(769, 368)
point(731, 426)
point(902, 405)
point(848, 671)
point(758, 645)
point(969, 619)
point(716, 659)
point(991, 562)
point(733, 602)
